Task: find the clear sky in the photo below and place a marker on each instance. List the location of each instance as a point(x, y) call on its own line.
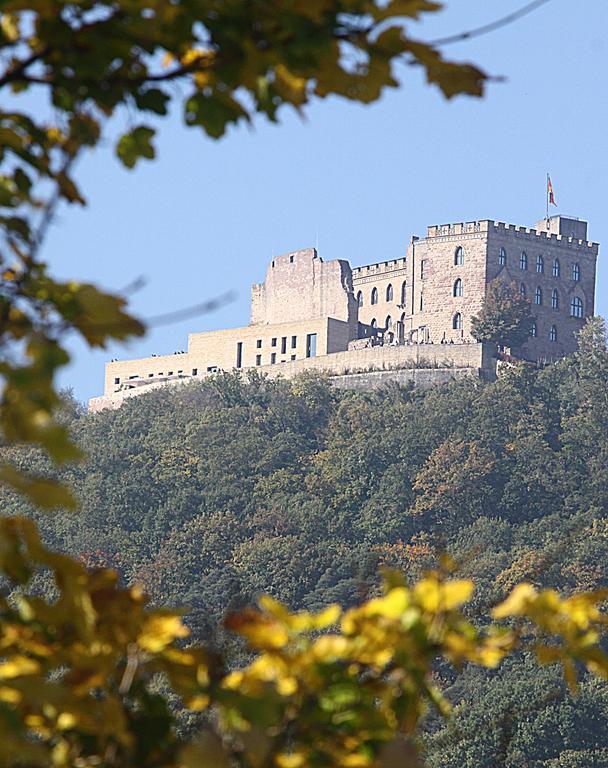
point(207, 216)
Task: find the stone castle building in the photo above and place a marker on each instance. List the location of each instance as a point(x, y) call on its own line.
point(409, 312)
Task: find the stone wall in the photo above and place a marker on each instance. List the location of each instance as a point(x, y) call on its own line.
point(422, 364)
point(248, 347)
point(301, 286)
point(568, 252)
point(475, 356)
point(422, 378)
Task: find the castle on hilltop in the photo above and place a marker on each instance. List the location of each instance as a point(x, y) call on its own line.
point(408, 313)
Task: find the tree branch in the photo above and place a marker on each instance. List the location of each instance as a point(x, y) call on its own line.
point(493, 25)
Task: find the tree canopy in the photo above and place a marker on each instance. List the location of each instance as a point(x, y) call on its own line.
point(210, 494)
point(505, 318)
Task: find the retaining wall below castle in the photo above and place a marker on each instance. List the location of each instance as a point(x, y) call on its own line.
point(422, 378)
point(423, 364)
point(477, 356)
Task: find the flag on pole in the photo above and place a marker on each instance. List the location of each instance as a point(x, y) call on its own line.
point(550, 195)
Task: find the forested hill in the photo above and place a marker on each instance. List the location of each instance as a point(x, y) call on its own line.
point(212, 492)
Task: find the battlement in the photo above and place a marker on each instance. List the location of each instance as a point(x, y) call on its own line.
point(555, 230)
point(543, 235)
point(461, 228)
point(378, 268)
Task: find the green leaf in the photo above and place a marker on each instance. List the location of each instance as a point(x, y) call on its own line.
point(152, 100)
point(214, 112)
point(135, 144)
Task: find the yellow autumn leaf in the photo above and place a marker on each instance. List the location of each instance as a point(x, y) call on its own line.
point(260, 630)
point(515, 603)
point(17, 665)
point(160, 631)
point(9, 24)
point(290, 760)
point(290, 87)
point(455, 593)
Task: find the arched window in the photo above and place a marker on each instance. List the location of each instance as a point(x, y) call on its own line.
point(457, 322)
point(556, 269)
point(554, 299)
point(576, 307)
point(373, 323)
point(540, 264)
point(502, 257)
point(403, 318)
point(389, 323)
point(553, 333)
point(374, 295)
point(533, 329)
point(522, 291)
point(459, 256)
point(389, 292)
point(538, 295)
point(360, 298)
point(403, 292)
point(576, 272)
point(523, 260)
point(458, 288)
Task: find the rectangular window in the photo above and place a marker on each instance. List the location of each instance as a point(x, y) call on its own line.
point(150, 375)
point(161, 373)
point(293, 357)
point(258, 359)
point(422, 269)
point(258, 344)
point(212, 369)
point(195, 371)
point(239, 354)
point(294, 342)
point(178, 373)
point(273, 342)
point(421, 303)
point(284, 345)
point(169, 373)
point(273, 358)
point(135, 376)
point(117, 380)
point(311, 345)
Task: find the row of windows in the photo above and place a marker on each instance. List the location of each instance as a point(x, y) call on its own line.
point(576, 304)
point(534, 331)
point(273, 343)
point(161, 373)
point(388, 323)
point(540, 265)
point(273, 359)
point(389, 294)
point(311, 348)
point(457, 325)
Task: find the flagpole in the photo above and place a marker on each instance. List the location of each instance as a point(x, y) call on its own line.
point(547, 200)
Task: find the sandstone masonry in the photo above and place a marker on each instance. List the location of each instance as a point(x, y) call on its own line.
point(412, 312)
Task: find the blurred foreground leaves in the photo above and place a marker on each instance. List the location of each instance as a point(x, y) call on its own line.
point(90, 676)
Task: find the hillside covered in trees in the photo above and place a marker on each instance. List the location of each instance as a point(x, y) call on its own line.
point(210, 493)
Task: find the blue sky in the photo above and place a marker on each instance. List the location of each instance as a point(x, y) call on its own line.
point(207, 216)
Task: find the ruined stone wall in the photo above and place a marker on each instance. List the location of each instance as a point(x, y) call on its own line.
point(301, 286)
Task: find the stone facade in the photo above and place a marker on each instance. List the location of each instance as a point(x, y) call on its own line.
point(433, 293)
point(324, 315)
